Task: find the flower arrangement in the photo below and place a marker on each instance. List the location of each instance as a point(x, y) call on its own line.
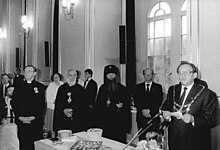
point(150, 143)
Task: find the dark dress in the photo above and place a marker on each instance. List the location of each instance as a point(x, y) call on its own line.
point(145, 100)
point(114, 122)
point(70, 97)
point(29, 100)
point(185, 136)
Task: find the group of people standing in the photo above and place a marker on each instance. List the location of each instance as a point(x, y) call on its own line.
point(188, 110)
point(79, 108)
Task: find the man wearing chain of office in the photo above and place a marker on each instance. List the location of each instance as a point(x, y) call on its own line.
point(189, 110)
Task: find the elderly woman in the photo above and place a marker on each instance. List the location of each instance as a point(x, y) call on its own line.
point(51, 93)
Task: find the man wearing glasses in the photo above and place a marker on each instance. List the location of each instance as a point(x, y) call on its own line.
point(189, 109)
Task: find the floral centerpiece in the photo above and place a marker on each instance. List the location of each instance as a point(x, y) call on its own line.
point(150, 143)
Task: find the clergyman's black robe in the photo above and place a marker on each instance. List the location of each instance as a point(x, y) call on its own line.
point(70, 97)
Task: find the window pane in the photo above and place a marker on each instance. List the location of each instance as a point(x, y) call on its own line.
point(151, 34)
point(167, 63)
point(167, 27)
point(159, 64)
point(159, 13)
point(151, 47)
point(184, 7)
point(151, 61)
point(184, 25)
point(159, 43)
point(165, 7)
point(184, 46)
point(167, 46)
point(159, 46)
point(159, 28)
point(154, 9)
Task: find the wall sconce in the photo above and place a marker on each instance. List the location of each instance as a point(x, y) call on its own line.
point(26, 25)
point(68, 9)
point(2, 34)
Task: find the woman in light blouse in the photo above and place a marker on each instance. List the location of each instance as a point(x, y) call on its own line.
point(51, 93)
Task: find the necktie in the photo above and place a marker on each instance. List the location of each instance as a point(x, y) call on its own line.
point(183, 95)
point(85, 83)
point(148, 88)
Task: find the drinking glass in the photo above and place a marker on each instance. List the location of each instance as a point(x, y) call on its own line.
point(45, 133)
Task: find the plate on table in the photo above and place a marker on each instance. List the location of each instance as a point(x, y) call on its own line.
point(87, 145)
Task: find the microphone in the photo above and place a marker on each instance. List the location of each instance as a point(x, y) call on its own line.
point(141, 131)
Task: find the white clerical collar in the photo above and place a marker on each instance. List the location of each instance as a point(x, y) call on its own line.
point(29, 81)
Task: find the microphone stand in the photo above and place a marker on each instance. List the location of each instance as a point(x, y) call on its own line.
point(140, 132)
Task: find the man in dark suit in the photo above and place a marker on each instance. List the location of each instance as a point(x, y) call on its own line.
point(189, 109)
point(4, 84)
point(90, 87)
point(28, 105)
point(148, 97)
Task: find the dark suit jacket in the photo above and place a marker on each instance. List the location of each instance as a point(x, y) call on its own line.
point(151, 101)
point(1, 90)
point(91, 91)
point(185, 136)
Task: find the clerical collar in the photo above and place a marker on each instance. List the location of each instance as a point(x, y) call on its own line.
point(29, 81)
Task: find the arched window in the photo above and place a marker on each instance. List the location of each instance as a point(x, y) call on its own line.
point(159, 41)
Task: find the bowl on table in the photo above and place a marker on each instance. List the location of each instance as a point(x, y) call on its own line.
point(64, 134)
point(94, 134)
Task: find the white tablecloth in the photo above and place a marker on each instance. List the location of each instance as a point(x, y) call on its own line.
point(8, 137)
point(108, 143)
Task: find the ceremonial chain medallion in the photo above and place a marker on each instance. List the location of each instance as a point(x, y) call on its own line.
point(108, 102)
point(183, 109)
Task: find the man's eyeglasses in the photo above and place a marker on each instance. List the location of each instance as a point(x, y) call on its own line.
point(185, 73)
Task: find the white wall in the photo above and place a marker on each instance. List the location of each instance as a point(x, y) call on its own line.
point(106, 19)
point(209, 45)
point(72, 37)
point(10, 12)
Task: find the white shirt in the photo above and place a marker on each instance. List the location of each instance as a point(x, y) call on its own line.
point(187, 91)
point(51, 94)
point(150, 84)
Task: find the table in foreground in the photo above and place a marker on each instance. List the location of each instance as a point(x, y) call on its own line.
point(108, 144)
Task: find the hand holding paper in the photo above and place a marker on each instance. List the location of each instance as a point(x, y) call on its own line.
point(168, 114)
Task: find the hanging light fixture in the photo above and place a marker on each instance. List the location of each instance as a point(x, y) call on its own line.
point(26, 25)
point(2, 34)
point(68, 9)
